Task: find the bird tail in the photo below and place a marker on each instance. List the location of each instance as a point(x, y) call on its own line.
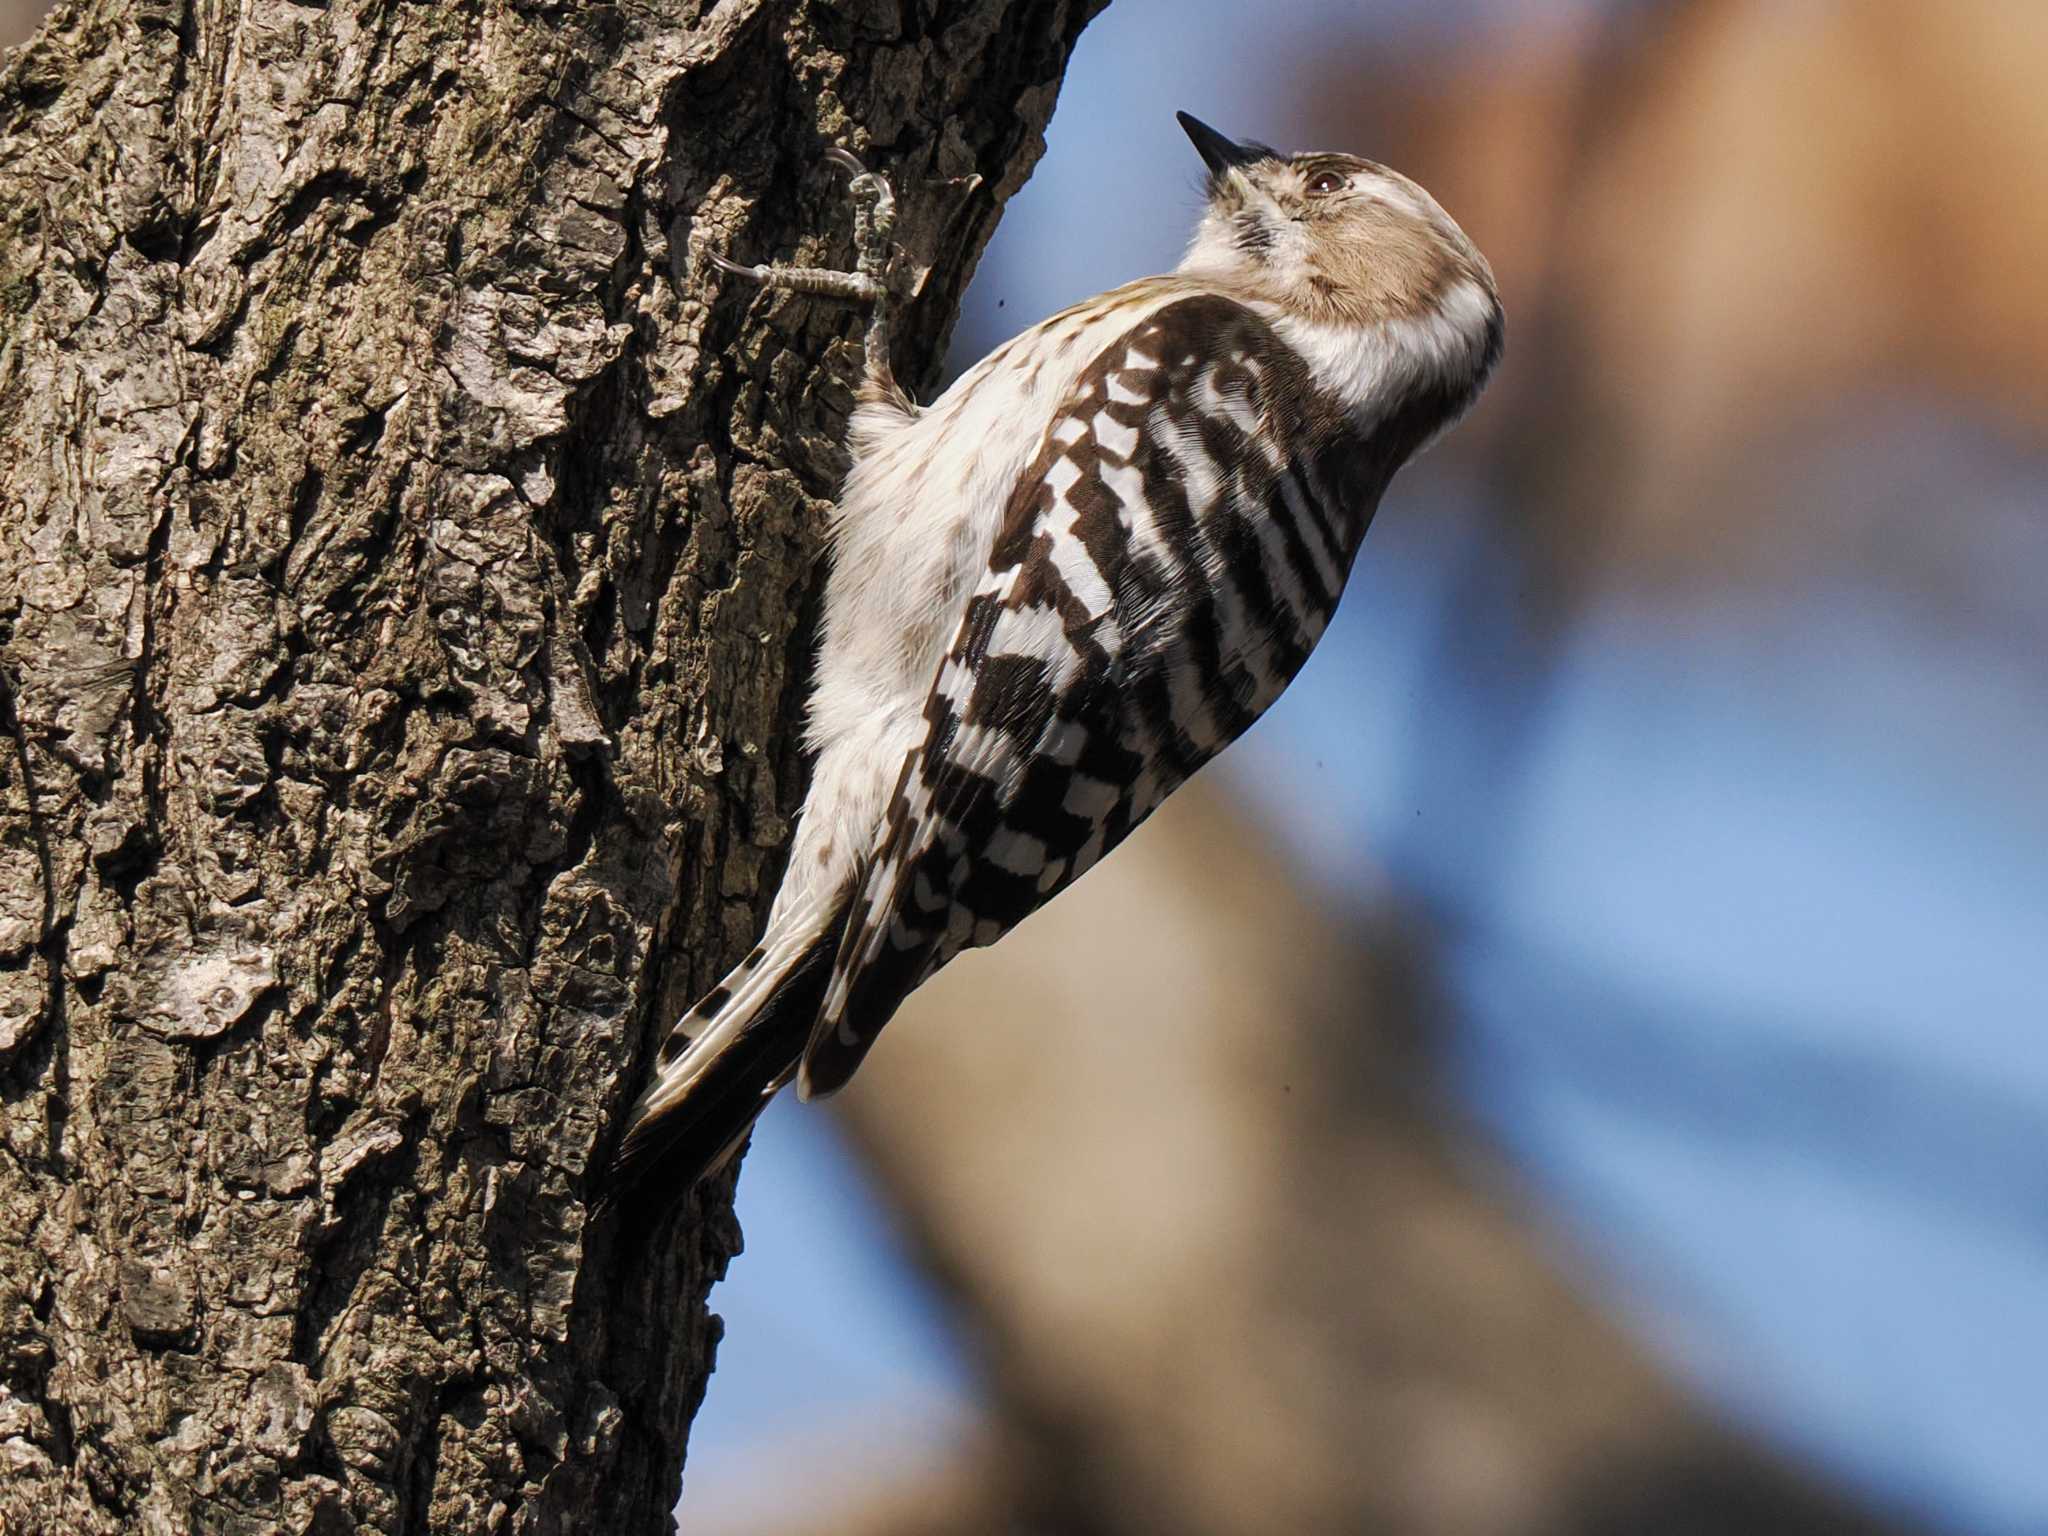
point(724, 1059)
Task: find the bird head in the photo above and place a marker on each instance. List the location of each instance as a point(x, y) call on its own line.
point(1337, 240)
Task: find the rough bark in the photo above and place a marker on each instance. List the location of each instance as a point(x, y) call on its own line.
point(404, 557)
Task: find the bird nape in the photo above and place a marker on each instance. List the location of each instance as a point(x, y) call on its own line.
point(1065, 585)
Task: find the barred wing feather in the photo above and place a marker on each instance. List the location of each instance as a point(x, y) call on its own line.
point(1164, 568)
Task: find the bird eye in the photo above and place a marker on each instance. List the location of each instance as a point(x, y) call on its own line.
point(1324, 183)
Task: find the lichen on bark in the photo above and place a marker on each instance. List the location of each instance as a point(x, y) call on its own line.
point(405, 559)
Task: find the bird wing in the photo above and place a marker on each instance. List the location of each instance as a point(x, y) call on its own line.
point(1163, 568)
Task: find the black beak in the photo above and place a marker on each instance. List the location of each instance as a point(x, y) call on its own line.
point(1217, 152)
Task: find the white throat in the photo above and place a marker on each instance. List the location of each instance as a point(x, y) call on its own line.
point(1372, 369)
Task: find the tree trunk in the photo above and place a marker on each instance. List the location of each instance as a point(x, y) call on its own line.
point(404, 559)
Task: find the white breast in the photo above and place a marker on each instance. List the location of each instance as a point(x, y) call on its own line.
point(919, 514)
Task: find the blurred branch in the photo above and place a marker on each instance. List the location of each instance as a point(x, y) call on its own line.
point(1176, 1149)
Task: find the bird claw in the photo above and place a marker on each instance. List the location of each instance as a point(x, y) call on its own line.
point(734, 269)
point(846, 160)
point(874, 224)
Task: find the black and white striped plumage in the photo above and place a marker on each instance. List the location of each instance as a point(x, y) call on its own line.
point(1069, 583)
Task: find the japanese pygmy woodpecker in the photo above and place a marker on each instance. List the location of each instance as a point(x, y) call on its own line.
point(1068, 583)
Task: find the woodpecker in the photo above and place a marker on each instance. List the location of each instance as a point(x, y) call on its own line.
point(1065, 585)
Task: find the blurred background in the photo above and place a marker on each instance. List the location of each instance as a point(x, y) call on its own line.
point(1579, 1066)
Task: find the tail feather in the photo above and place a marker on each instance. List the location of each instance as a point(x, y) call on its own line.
point(725, 1059)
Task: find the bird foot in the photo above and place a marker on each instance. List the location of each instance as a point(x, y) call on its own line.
point(874, 223)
